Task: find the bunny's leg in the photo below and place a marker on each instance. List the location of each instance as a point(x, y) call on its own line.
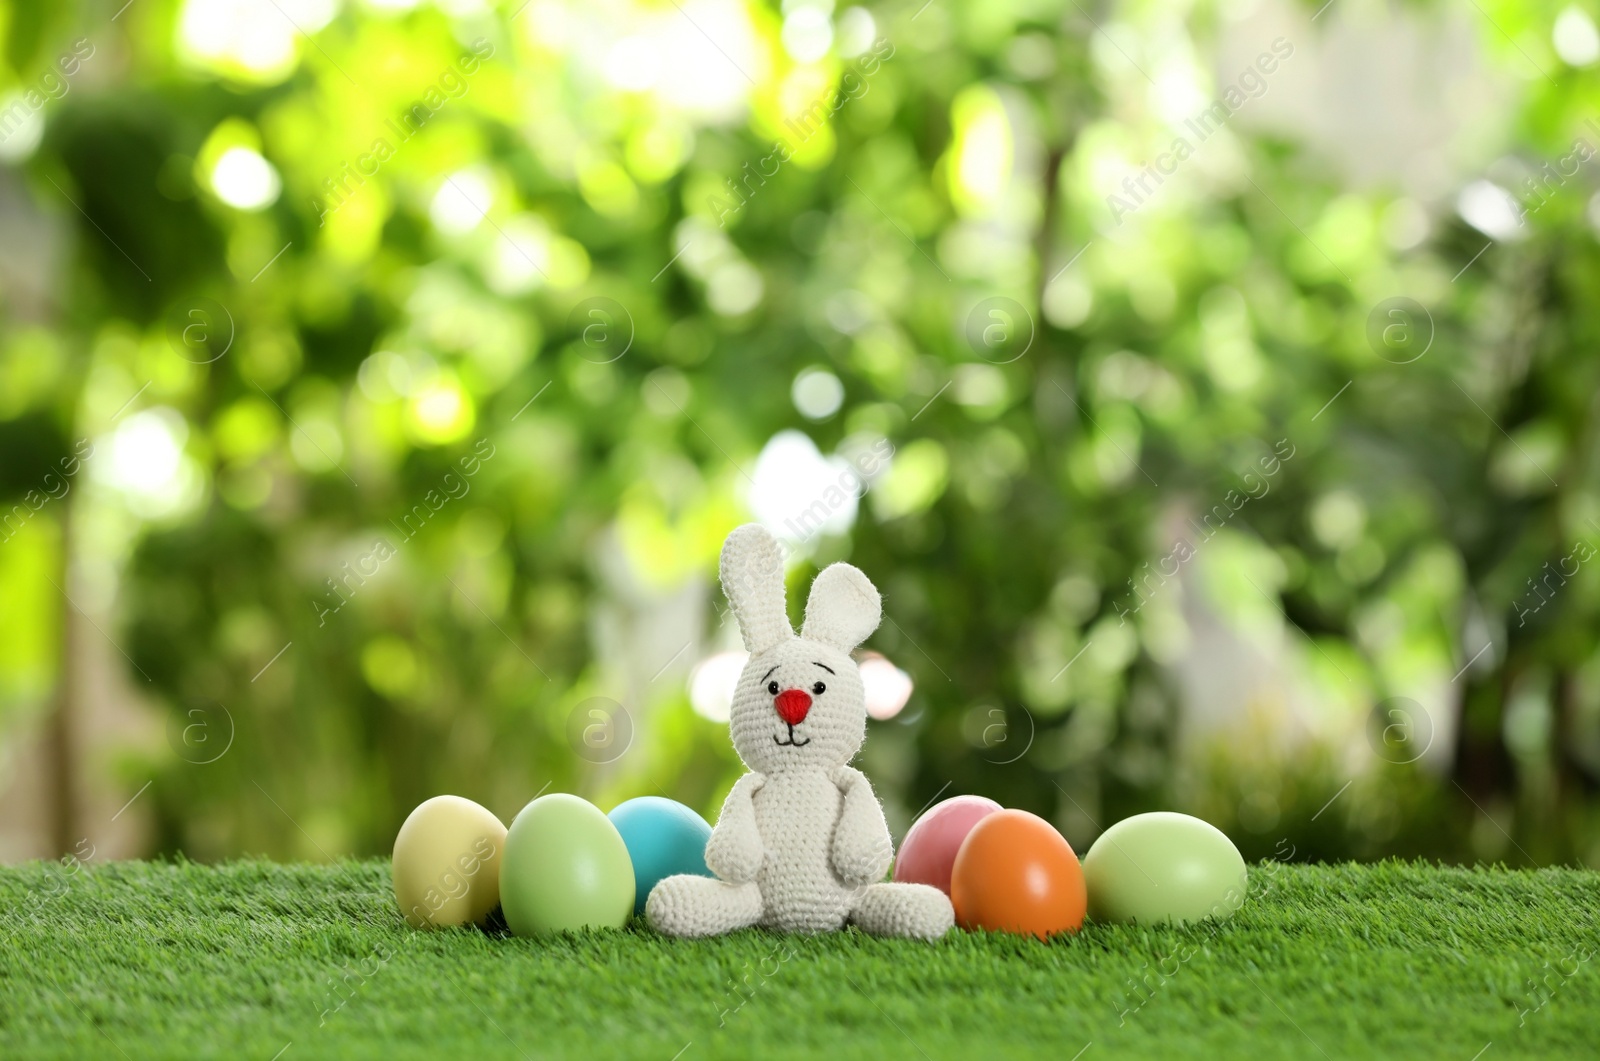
point(919, 911)
point(687, 905)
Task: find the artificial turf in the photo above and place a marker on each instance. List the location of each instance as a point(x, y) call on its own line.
point(260, 960)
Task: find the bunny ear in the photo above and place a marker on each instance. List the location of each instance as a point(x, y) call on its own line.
point(752, 577)
point(843, 609)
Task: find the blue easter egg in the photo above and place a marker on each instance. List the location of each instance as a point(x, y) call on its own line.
point(663, 838)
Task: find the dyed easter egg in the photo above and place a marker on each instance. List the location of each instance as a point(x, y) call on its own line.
point(1164, 867)
point(1015, 873)
point(565, 868)
point(928, 853)
point(446, 865)
point(663, 838)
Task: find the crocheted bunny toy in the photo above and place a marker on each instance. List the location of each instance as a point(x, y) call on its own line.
point(801, 844)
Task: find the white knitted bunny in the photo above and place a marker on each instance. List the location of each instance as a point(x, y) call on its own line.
point(801, 844)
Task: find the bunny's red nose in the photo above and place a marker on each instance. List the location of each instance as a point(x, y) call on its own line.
point(792, 705)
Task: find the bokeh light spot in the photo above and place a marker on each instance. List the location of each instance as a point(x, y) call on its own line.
point(440, 411)
point(245, 180)
point(712, 684)
point(817, 393)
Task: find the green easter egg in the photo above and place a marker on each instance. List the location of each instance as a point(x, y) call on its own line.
point(1164, 867)
point(565, 867)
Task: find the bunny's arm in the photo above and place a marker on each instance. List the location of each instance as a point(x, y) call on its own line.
point(735, 851)
point(862, 850)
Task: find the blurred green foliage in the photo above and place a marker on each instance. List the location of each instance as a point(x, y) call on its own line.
point(323, 301)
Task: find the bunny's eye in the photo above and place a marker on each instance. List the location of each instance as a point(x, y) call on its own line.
point(772, 687)
point(818, 689)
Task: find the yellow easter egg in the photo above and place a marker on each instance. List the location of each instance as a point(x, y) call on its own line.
point(447, 863)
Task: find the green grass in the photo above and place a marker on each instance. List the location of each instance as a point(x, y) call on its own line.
point(238, 960)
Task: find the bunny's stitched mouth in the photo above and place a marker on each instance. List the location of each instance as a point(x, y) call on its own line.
point(791, 742)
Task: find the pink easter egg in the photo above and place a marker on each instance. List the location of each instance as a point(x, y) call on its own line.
point(929, 849)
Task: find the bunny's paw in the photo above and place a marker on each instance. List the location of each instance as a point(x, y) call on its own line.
point(912, 911)
point(862, 850)
point(862, 859)
point(688, 905)
point(735, 855)
point(735, 851)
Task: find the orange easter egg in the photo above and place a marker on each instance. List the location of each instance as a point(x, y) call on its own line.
point(1015, 873)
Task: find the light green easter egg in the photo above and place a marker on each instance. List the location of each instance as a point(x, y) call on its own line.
point(565, 868)
point(1164, 867)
